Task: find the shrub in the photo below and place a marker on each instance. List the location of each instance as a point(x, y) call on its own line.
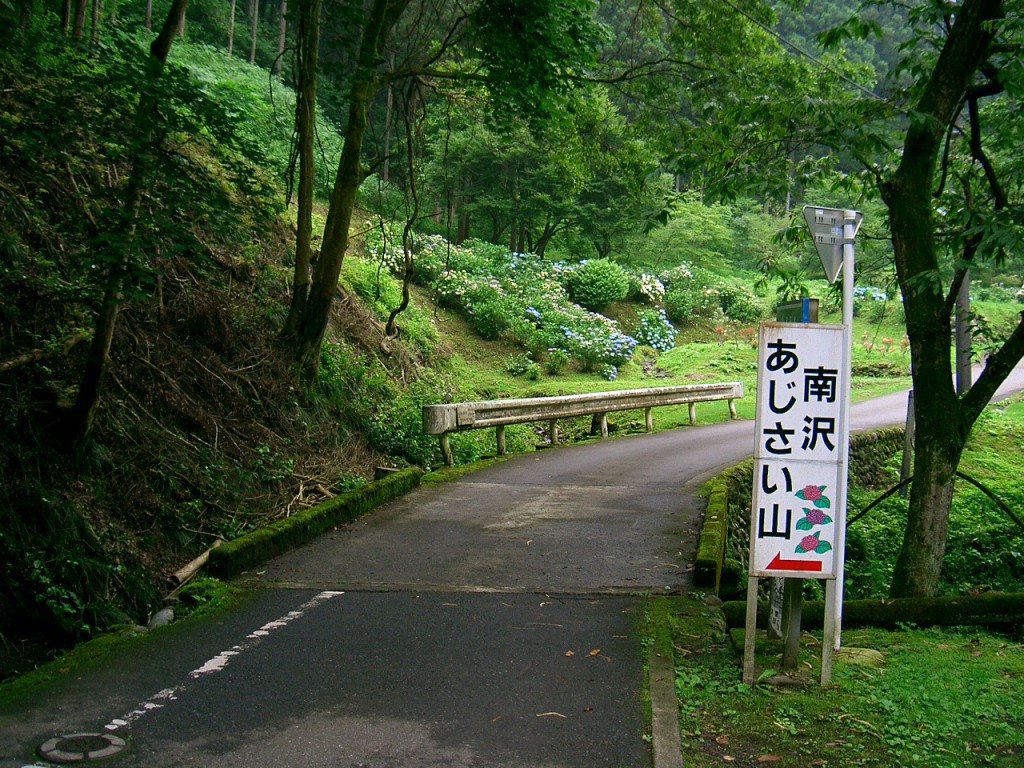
point(689, 306)
point(556, 361)
point(654, 330)
point(597, 283)
point(739, 303)
point(523, 365)
point(651, 289)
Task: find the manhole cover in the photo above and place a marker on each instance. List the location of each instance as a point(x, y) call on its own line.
point(79, 747)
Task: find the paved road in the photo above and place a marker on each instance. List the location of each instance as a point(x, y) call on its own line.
point(488, 622)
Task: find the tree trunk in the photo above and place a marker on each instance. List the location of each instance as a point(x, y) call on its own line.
point(231, 27)
point(307, 50)
point(25, 9)
point(282, 32)
point(97, 10)
point(254, 21)
point(942, 423)
point(411, 101)
point(385, 171)
point(149, 15)
point(381, 18)
point(78, 30)
point(80, 418)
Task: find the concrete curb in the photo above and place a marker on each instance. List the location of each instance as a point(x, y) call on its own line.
point(238, 555)
point(666, 742)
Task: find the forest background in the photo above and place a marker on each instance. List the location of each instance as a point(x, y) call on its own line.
point(543, 198)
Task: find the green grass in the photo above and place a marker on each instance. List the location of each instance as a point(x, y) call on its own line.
point(942, 699)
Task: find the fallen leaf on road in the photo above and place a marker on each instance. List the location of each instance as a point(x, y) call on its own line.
point(595, 652)
point(722, 740)
point(570, 653)
point(729, 758)
point(769, 758)
point(588, 709)
point(553, 714)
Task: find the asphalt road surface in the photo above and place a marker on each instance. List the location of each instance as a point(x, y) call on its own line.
point(488, 622)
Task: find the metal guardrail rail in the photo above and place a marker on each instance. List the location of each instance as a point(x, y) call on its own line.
point(441, 420)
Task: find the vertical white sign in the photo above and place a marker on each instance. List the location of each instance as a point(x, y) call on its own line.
point(798, 504)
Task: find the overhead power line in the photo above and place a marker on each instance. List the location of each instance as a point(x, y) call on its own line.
point(801, 51)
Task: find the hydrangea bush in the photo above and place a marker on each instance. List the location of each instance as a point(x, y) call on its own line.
point(652, 289)
point(518, 297)
point(655, 330)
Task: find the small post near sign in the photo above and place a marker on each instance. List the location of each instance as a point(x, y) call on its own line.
point(801, 452)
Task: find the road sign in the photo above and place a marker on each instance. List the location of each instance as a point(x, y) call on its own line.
point(797, 510)
point(826, 225)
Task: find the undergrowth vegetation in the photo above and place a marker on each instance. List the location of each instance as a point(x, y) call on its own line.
point(985, 545)
point(942, 698)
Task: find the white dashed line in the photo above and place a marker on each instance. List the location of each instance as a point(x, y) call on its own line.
point(218, 662)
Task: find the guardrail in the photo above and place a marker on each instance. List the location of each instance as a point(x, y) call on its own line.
point(441, 420)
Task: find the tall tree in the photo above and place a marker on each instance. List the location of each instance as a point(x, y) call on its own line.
point(379, 21)
point(977, 60)
point(282, 33)
point(78, 28)
point(307, 45)
point(254, 23)
point(941, 162)
point(80, 417)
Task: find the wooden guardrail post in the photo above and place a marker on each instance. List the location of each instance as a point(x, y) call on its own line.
point(446, 450)
point(499, 434)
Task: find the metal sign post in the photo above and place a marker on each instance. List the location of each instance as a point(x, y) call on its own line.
point(798, 509)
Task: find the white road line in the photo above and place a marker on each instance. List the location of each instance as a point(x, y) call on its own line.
point(218, 662)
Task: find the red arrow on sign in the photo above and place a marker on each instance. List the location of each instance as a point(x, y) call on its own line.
point(778, 564)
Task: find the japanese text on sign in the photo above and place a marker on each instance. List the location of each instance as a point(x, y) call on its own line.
point(799, 451)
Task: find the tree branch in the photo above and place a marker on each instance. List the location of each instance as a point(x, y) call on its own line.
point(997, 368)
point(978, 153)
point(36, 355)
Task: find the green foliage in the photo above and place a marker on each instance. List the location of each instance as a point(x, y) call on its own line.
point(55, 575)
point(269, 467)
point(523, 365)
point(375, 285)
point(984, 547)
point(532, 52)
point(596, 283)
point(260, 109)
point(520, 298)
point(204, 596)
point(696, 296)
point(555, 361)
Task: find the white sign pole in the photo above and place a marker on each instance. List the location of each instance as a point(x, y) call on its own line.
point(834, 589)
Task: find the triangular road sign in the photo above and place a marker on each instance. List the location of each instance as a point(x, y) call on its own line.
point(826, 225)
